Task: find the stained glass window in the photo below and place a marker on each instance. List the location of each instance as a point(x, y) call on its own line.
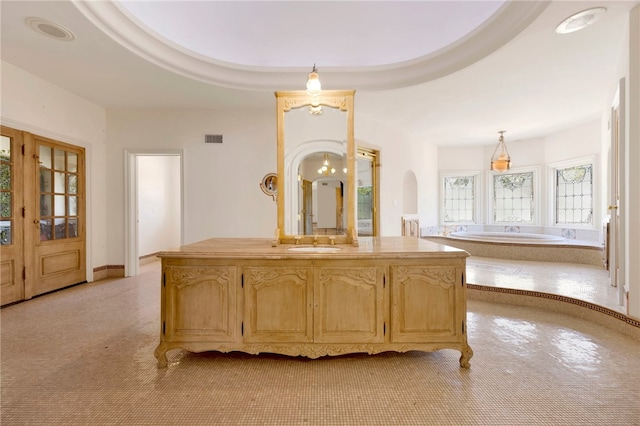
point(459, 199)
point(574, 195)
point(513, 198)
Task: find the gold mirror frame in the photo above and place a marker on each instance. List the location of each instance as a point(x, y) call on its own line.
point(340, 99)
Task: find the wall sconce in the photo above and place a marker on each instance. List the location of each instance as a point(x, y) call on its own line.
point(501, 161)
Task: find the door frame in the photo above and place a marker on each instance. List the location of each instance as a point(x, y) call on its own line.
point(373, 156)
point(88, 155)
point(617, 193)
point(12, 255)
point(131, 229)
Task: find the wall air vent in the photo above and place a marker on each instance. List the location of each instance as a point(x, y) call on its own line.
point(212, 138)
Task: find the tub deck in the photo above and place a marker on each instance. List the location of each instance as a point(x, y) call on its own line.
point(568, 251)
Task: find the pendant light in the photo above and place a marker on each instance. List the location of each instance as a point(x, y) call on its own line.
point(313, 83)
point(313, 89)
point(500, 160)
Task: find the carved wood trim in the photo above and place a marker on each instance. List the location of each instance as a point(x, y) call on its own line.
point(183, 277)
point(436, 275)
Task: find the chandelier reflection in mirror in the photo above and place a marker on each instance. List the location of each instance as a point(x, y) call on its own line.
point(326, 167)
point(500, 160)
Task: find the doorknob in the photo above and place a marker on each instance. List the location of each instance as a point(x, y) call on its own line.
point(612, 208)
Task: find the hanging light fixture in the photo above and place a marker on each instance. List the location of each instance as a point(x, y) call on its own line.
point(500, 160)
point(313, 83)
point(313, 89)
point(326, 167)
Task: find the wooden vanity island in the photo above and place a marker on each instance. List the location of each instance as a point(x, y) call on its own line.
point(239, 294)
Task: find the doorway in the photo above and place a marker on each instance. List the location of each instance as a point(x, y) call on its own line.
point(616, 235)
point(368, 219)
point(43, 209)
point(154, 205)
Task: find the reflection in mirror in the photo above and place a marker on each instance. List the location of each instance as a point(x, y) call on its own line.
point(315, 149)
point(311, 140)
point(320, 197)
point(365, 195)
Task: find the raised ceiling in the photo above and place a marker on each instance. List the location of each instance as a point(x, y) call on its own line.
point(303, 33)
point(447, 73)
point(262, 45)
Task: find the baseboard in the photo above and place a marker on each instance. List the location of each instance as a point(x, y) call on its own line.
point(108, 271)
point(148, 258)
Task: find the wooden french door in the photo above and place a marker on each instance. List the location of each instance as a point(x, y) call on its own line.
point(11, 220)
point(49, 216)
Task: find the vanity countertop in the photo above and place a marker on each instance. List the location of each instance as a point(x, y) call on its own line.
point(369, 247)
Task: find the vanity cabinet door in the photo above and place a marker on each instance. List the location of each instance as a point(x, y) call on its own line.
point(425, 305)
point(278, 303)
point(349, 304)
point(200, 304)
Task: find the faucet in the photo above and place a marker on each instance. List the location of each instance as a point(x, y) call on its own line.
point(315, 240)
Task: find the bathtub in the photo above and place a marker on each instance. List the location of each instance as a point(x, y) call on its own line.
point(507, 237)
point(523, 246)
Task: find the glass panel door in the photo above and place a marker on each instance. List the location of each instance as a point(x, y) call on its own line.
point(11, 218)
point(55, 214)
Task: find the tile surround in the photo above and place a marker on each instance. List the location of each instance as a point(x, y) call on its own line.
point(84, 355)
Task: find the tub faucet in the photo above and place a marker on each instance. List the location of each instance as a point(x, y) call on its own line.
point(315, 240)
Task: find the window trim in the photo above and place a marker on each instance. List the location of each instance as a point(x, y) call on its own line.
point(551, 193)
point(537, 196)
point(478, 195)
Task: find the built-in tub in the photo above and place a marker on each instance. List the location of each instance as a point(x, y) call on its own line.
point(507, 237)
point(524, 246)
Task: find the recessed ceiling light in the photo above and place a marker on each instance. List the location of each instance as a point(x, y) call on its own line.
point(580, 20)
point(50, 29)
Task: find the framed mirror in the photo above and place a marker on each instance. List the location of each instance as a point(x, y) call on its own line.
point(316, 168)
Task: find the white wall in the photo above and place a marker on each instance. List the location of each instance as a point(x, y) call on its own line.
point(579, 141)
point(576, 142)
point(158, 203)
point(34, 105)
point(222, 196)
point(400, 153)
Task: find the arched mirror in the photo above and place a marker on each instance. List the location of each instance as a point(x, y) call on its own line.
point(316, 164)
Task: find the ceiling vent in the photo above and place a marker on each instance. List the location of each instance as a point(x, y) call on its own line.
point(212, 138)
point(50, 29)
